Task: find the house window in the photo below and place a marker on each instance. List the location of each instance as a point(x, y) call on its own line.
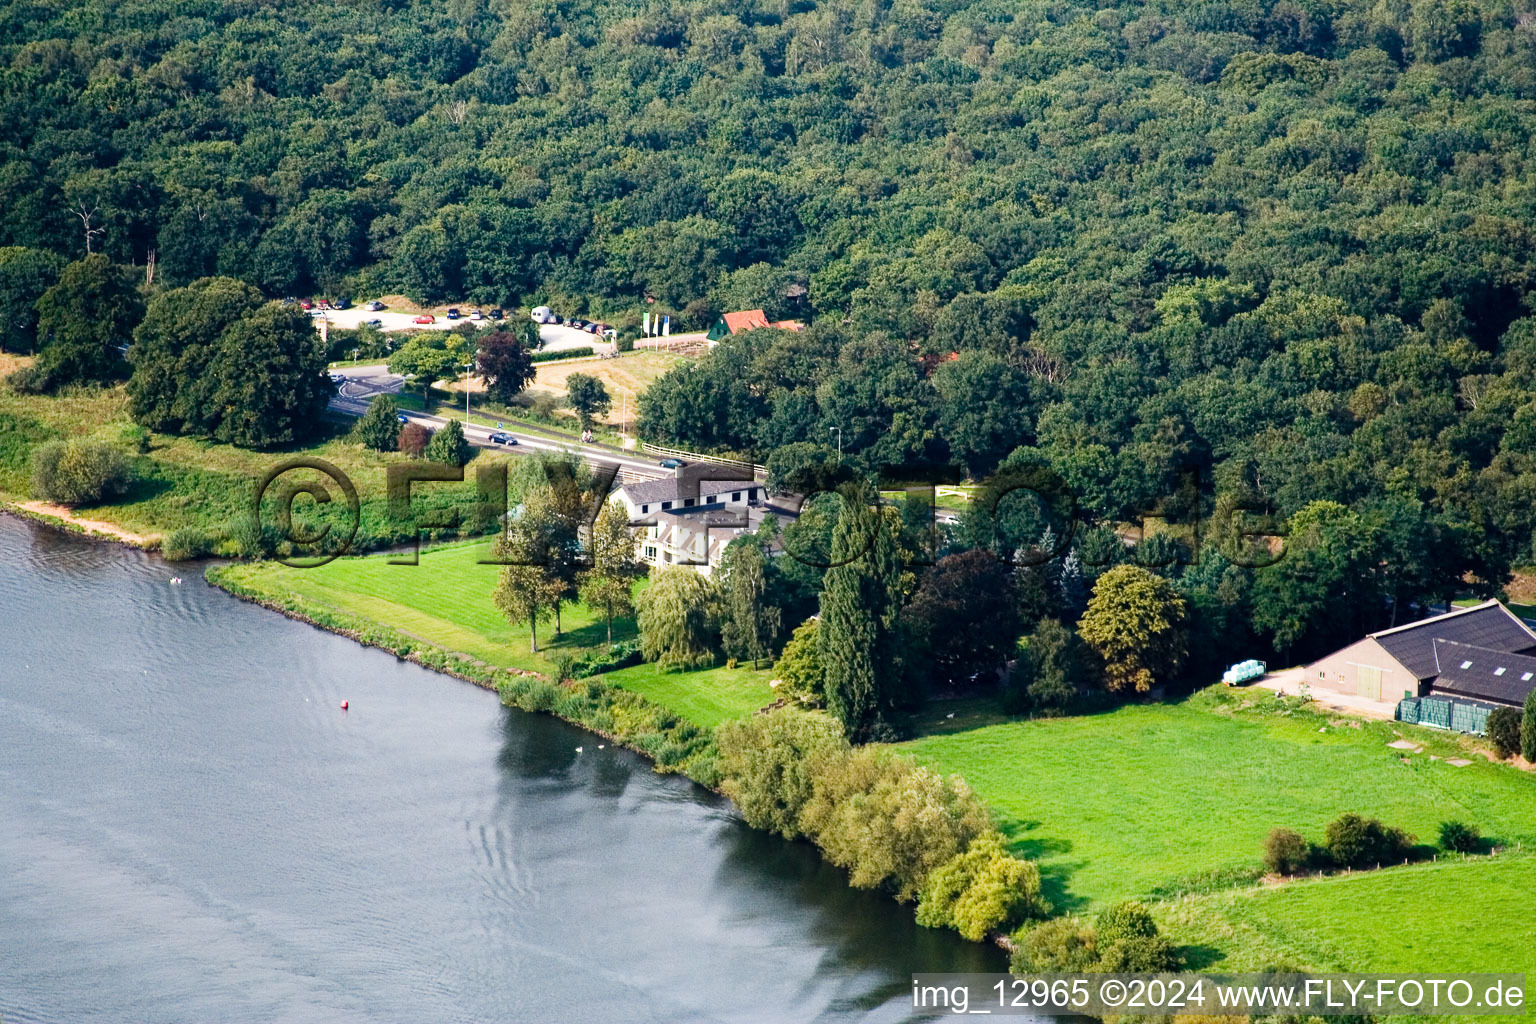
point(650, 552)
point(1466, 664)
point(666, 505)
point(687, 503)
point(1525, 677)
point(752, 493)
point(645, 508)
point(1322, 675)
point(735, 495)
point(1499, 671)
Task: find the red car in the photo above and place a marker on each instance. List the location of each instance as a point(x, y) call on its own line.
point(306, 304)
point(425, 318)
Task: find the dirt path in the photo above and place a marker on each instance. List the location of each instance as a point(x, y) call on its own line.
point(63, 513)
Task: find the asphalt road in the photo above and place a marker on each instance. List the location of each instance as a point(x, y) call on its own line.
point(362, 384)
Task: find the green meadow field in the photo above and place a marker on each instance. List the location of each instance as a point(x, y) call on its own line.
point(1149, 798)
point(446, 600)
point(1466, 916)
point(1171, 803)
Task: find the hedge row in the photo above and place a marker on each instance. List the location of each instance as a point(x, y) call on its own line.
point(565, 353)
point(891, 822)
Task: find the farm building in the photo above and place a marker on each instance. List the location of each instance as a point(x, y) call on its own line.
point(1483, 656)
point(748, 320)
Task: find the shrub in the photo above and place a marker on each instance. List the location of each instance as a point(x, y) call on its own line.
point(449, 446)
point(379, 427)
point(78, 471)
point(1126, 920)
point(770, 763)
point(890, 821)
point(1285, 851)
point(798, 669)
point(1459, 837)
point(1357, 842)
point(980, 890)
point(1504, 731)
point(1528, 728)
point(569, 353)
point(1066, 945)
point(185, 544)
point(413, 439)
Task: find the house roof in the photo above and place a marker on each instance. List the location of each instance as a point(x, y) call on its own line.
point(1489, 625)
point(647, 492)
point(745, 320)
point(1484, 673)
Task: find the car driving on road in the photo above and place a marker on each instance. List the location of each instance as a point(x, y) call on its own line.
point(500, 438)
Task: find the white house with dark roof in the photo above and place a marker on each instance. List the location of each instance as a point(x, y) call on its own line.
point(1484, 653)
point(690, 517)
point(693, 485)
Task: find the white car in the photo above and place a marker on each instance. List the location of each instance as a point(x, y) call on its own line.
point(476, 315)
point(543, 315)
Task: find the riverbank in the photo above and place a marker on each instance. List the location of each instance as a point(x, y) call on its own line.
point(1168, 803)
point(62, 517)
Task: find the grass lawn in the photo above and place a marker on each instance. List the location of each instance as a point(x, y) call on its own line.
point(1454, 916)
point(707, 697)
point(1152, 800)
point(446, 600)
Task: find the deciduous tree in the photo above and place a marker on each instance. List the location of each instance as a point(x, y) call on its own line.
point(1135, 621)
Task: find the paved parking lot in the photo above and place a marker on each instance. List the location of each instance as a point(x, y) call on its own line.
point(555, 337)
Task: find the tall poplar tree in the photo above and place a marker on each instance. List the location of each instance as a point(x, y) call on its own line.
point(860, 599)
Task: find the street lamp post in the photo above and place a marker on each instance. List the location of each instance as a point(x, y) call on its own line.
point(468, 369)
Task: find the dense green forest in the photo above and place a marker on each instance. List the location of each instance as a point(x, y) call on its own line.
point(1286, 245)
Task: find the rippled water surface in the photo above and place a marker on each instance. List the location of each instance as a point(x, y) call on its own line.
point(192, 830)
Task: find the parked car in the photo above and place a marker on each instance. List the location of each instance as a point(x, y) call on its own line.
point(672, 463)
point(306, 304)
point(317, 314)
point(341, 303)
point(375, 306)
point(453, 313)
point(425, 318)
point(373, 323)
point(500, 438)
point(402, 417)
point(577, 323)
point(497, 314)
point(324, 304)
point(475, 314)
point(543, 315)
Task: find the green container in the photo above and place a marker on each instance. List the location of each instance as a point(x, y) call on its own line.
point(1408, 710)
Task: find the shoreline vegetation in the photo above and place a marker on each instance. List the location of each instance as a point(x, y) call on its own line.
point(1233, 765)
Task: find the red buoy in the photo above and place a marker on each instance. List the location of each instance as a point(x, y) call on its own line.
point(343, 705)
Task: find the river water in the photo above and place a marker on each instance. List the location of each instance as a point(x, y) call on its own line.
point(191, 829)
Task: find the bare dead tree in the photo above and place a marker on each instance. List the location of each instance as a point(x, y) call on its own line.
point(149, 268)
point(87, 218)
